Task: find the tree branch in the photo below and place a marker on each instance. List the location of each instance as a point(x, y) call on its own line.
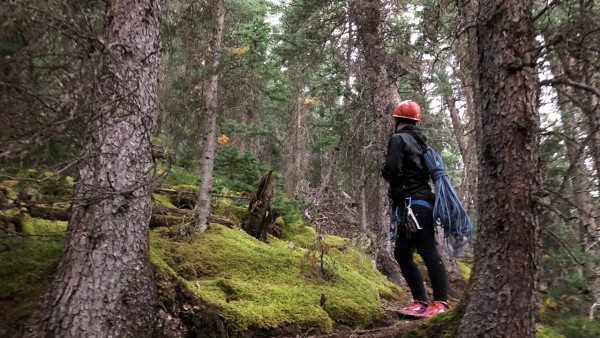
point(569, 82)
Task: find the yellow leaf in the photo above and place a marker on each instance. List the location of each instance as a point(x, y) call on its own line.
point(310, 100)
point(223, 139)
point(240, 50)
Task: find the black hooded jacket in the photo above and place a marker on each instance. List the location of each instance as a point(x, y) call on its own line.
point(404, 166)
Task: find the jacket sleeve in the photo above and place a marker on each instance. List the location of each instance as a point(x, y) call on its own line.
point(392, 167)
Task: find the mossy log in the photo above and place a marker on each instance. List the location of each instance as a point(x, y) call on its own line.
point(161, 216)
point(51, 213)
point(164, 217)
point(182, 198)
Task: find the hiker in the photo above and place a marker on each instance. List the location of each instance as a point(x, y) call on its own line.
point(412, 200)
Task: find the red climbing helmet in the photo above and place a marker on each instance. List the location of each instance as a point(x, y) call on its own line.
point(408, 109)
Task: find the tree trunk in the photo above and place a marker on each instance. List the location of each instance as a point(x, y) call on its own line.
point(296, 162)
point(327, 177)
point(370, 17)
point(466, 52)
point(503, 299)
point(579, 174)
point(103, 285)
point(466, 147)
point(208, 152)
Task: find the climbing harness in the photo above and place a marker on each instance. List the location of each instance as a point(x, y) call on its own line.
point(398, 212)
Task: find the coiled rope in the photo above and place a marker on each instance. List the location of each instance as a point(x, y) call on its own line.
point(447, 208)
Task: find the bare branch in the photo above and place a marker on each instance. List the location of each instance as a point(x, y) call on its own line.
point(569, 82)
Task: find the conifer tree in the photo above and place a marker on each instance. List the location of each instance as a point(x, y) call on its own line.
point(503, 297)
point(103, 285)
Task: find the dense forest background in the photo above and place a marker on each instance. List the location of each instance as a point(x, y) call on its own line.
point(125, 97)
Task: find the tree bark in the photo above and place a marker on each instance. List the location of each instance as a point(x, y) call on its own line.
point(466, 53)
point(370, 17)
point(256, 224)
point(327, 177)
point(296, 152)
point(503, 297)
point(103, 285)
point(208, 153)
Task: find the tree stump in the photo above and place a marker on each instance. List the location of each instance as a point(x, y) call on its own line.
point(256, 224)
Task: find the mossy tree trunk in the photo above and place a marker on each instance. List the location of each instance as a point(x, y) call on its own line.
point(103, 285)
point(503, 297)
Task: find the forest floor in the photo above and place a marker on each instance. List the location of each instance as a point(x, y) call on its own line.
point(188, 315)
point(392, 325)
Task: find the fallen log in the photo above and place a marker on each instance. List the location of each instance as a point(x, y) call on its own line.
point(161, 216)
point(166, 217)
point(181, 198)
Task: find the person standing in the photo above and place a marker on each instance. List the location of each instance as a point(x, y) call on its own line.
point(412, 209)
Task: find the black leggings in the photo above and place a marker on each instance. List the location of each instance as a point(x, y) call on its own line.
point(424, 243)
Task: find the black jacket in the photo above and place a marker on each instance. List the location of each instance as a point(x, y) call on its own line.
point(404, 166)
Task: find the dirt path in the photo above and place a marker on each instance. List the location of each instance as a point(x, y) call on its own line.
point(391, 326)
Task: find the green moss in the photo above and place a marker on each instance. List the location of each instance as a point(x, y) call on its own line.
point(38, 226)
point(446, 324)
point(31, 173)
point(27, 265)
point(163, 201)
point(465, 270)
point(186, 187)
point(336, 241)
point(577, 326)
point(44, 186)
point(299, 233)
point(261, 285)
point(542, 331)
point(163, 274)
point(61, 205)
point(226, 207)
point(6, 190)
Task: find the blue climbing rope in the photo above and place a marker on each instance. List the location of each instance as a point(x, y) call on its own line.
point(447, 207)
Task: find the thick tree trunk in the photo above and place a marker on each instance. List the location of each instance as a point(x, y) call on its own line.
point(503, 299)
point(466, 52)
point(370, 17)
point(103, 285)
point(208, 151)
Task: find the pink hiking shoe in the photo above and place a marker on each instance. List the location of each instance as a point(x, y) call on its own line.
point(435, 308)
point(416, 309)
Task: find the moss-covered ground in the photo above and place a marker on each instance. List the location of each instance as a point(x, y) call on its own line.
point(269, 285)
point(27, 264)
point(303, 281)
